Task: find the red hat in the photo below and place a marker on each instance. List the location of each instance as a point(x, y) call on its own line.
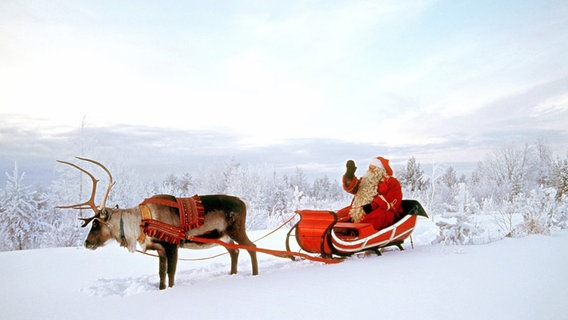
point(381, 162)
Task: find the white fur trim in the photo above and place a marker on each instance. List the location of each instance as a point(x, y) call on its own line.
point(385, 200)
point(377, 163)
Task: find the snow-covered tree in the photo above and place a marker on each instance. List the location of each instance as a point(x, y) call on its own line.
point(538, 210)
point(462, 229)
point(180, 186)
point(323, 188)
point(298, 179)
point(505, 215)
point(130, 189)
point(70, 187)
point(559, 178)
point(412, 177)
point(542, 165)
point(449, 190)
point(509, 168)
point(22, 216)
point(560, 217)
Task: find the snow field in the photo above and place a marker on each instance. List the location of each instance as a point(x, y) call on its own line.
point(521, 278)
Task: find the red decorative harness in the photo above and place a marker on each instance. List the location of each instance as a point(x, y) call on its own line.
point(191, 216)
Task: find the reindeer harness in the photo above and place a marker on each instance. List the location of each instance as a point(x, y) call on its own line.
point(191, 215)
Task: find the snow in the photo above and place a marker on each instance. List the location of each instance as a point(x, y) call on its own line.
point(520, 278)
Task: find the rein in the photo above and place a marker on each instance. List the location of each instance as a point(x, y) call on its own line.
point(276, 253)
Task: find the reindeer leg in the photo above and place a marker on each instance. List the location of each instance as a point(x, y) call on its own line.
point(253, 260)
point(172, 255)
point(234, 253)
point(242, 239)
point(163, 262)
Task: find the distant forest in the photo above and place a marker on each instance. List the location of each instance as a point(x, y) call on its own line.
point(527, 181)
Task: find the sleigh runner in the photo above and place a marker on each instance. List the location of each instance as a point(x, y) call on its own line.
point(319, 232)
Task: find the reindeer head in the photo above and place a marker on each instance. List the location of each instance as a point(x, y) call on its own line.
point(100, 231)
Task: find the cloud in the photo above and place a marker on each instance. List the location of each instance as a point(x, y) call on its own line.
point(157, 152)
point(304, 84)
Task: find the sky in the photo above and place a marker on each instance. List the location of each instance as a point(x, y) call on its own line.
point(304, 84)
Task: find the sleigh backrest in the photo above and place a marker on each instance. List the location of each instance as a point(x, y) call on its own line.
point(413, 207)
point(312, 231)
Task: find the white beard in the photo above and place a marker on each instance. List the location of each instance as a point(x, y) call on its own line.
point(366, 193)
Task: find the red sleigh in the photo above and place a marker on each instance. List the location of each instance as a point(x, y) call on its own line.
point(319, 232)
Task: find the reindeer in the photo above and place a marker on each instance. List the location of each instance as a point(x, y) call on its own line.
point(224, 219)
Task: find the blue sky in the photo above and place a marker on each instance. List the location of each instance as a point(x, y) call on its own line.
point(297, 83)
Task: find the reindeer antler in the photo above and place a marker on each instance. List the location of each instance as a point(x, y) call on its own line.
point(91, 202)
point(110, 183)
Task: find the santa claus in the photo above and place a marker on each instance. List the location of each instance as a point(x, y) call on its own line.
point(378, 195)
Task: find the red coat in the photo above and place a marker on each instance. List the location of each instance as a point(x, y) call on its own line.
point(386, 206)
